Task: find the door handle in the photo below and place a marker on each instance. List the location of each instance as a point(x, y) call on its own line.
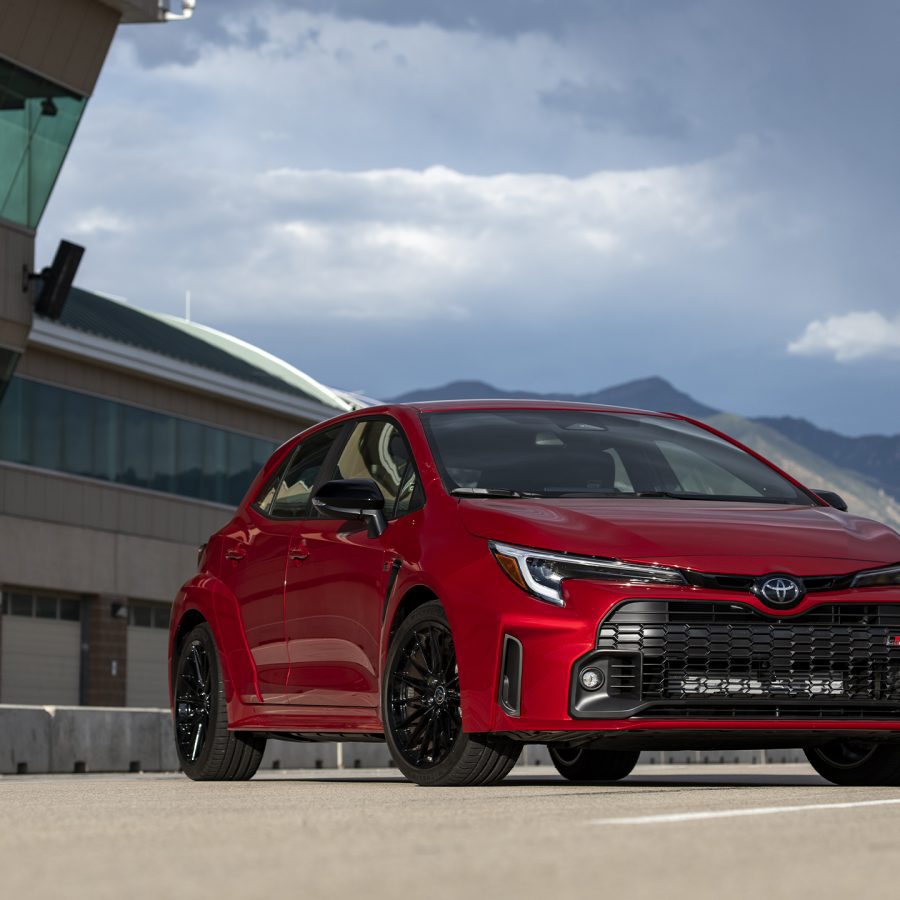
point(236, 553)
point(299, 550)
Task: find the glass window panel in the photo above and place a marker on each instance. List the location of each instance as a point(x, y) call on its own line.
point(162, 453)
point(215, 464)
point(68, 431)
point(37, 122)
point(142, 616)
point(45, 607)
point(189, 459)
point(12, 423)
point(292, 497)
point(161, 616)
point(20, 604)
point(241, 469)
point(69, 609)
point(377, 451)
point(77, 433)
point(45, 412)
point(134, 449)
point(105, 444)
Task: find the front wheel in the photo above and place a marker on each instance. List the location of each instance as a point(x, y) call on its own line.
point(208, 751)
point(586, 764)
point(421, 709)
point(856, 763)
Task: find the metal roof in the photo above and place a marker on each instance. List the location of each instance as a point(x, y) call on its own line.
point(196, 344)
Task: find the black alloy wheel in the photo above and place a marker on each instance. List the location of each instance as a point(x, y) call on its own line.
point(424, 697)
point(193, 697)
point(588, 764)
point(422, 713)
point(208, 751)
point(856, 763)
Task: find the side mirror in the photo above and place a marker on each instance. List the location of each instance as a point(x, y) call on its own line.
point(832, 499)
point(353, 498)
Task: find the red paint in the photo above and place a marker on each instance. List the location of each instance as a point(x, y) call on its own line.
point(298, 620)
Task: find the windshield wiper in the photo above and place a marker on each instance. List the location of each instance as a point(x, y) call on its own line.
point(490, 492)
point(724, 498)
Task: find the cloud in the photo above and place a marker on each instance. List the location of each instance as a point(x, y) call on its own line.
point(96, 220)
point(850, 337)
point(638, 108)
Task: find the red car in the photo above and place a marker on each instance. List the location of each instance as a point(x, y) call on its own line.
point(461, 579)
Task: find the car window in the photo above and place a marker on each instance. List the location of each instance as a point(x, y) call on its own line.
point(700, 475)
point(292, 496)
point(586, 453)
point(267, 495)
point(376, 449)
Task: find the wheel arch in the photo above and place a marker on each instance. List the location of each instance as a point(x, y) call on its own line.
point(415, 596)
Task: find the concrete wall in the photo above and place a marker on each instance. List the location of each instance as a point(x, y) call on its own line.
point(16, 251)
point(59, 739)
point(127, 387)
point(63, 40)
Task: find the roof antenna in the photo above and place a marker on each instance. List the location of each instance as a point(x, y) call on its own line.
point(187, 306)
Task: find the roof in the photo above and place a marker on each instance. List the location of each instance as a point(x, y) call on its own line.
point(189, 342)
point(446, 405)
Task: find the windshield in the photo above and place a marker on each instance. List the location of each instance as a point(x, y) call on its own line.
point(571, 453)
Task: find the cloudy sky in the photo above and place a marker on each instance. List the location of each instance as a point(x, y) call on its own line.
point(544, 194)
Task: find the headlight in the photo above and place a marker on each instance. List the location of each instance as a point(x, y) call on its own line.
point(542, 574)
point(877, 578)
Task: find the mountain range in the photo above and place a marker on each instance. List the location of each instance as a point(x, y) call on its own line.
point(864, 470)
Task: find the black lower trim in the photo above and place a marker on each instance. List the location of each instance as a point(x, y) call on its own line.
point(511, 676)
point(392, 580)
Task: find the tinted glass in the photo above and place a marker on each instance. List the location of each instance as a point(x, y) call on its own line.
point(45, 607)
point(573, 453)
point(377, 450)
point(68, 431)
point(37, 122)
point(141, 616)
point(292, 496)
point(21, 604)
point(69, 609)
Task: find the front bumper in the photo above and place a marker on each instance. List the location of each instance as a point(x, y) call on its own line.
point(697, 661)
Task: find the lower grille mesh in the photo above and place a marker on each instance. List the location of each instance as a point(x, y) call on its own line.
point(835, 660)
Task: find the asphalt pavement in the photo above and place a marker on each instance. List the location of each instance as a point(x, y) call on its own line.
point(666, 832)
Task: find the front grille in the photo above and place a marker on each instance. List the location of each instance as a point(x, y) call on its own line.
point(811, 585)
point(728, 660)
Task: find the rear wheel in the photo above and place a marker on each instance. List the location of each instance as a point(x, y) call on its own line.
point(421, 709)
point(586, 764)
point(208, 751)
point(856, 762)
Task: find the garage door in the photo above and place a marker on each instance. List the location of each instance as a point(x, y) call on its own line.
point(40, 649)
point(147, 681)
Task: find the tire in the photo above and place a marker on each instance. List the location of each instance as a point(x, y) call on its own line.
point(586, 764)
point(421, 710)
point(855, 763)
point(208, 751)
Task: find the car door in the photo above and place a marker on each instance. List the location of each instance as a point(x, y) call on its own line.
point(335, 586)
point(257, 552)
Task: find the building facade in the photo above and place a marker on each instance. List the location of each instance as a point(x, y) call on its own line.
point(125, 438)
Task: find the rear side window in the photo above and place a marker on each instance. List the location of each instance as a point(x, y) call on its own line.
point(292, 495)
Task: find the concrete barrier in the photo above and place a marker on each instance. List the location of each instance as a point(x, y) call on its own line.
point(24, 740)
point(68, 739)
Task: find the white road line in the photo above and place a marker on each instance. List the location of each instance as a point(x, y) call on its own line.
point(735, 813)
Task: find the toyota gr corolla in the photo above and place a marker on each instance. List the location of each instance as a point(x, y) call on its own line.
point(461, 579)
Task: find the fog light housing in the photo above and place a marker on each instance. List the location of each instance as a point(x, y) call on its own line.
point(592, 679)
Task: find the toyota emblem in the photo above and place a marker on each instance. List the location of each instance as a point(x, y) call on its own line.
point(780, 590)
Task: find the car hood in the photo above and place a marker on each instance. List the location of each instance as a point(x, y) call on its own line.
point(698, 534)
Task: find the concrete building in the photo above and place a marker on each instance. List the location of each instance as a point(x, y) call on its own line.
point(125, 438)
